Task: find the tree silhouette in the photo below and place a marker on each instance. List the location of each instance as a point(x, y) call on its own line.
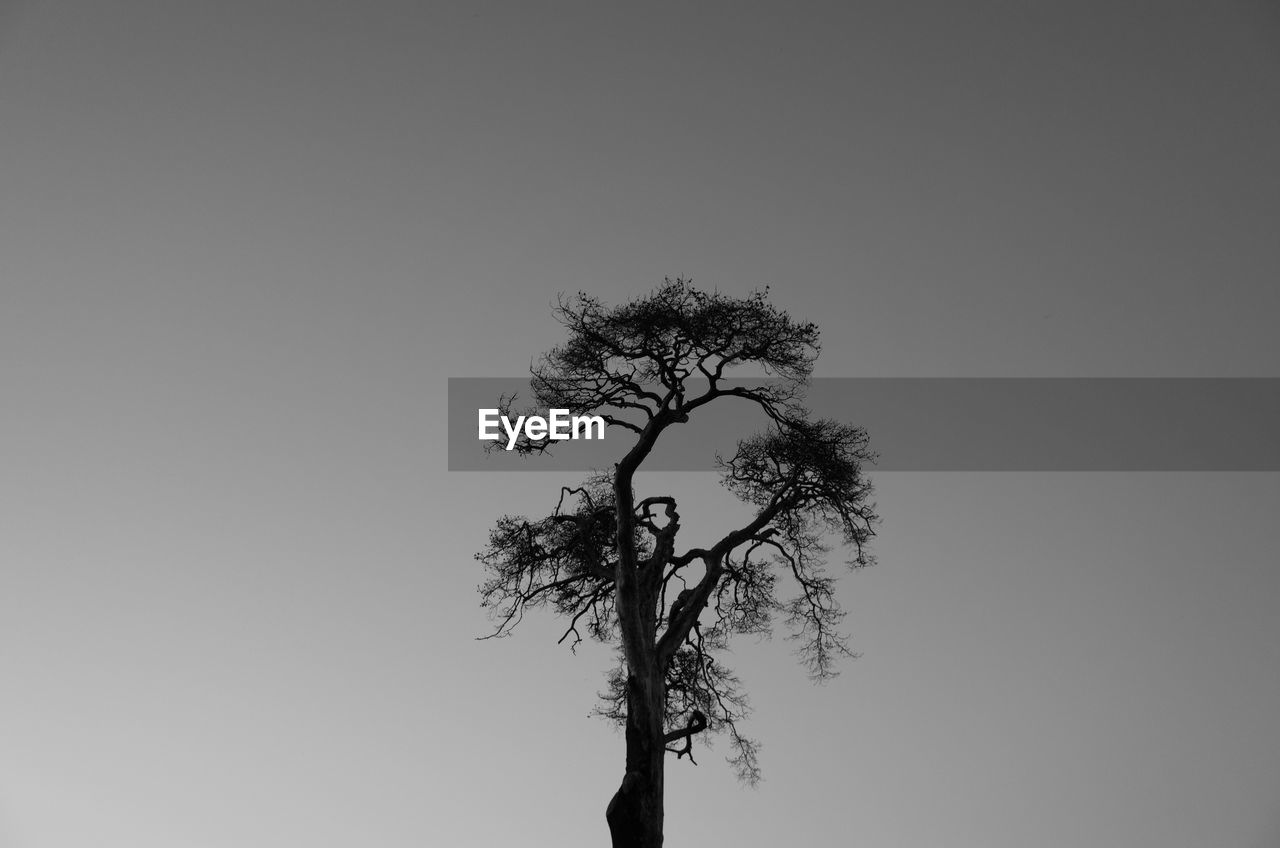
point(609, 563)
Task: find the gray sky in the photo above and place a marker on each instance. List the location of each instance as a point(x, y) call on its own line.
point(243, 245)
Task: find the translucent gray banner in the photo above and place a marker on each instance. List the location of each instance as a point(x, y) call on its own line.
point(946, 424)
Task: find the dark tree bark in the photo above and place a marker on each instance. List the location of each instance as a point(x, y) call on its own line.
point(609, 564)
point(635, 812)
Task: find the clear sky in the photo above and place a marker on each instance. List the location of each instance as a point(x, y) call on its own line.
point(244, 244)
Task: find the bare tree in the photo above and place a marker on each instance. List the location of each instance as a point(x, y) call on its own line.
point(609, 563)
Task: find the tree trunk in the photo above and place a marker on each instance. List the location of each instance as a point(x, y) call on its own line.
point(635, 812)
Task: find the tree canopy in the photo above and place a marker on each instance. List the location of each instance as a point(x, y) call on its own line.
point(613, 566)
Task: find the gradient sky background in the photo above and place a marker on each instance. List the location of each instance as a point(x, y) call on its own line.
point(243, 245)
